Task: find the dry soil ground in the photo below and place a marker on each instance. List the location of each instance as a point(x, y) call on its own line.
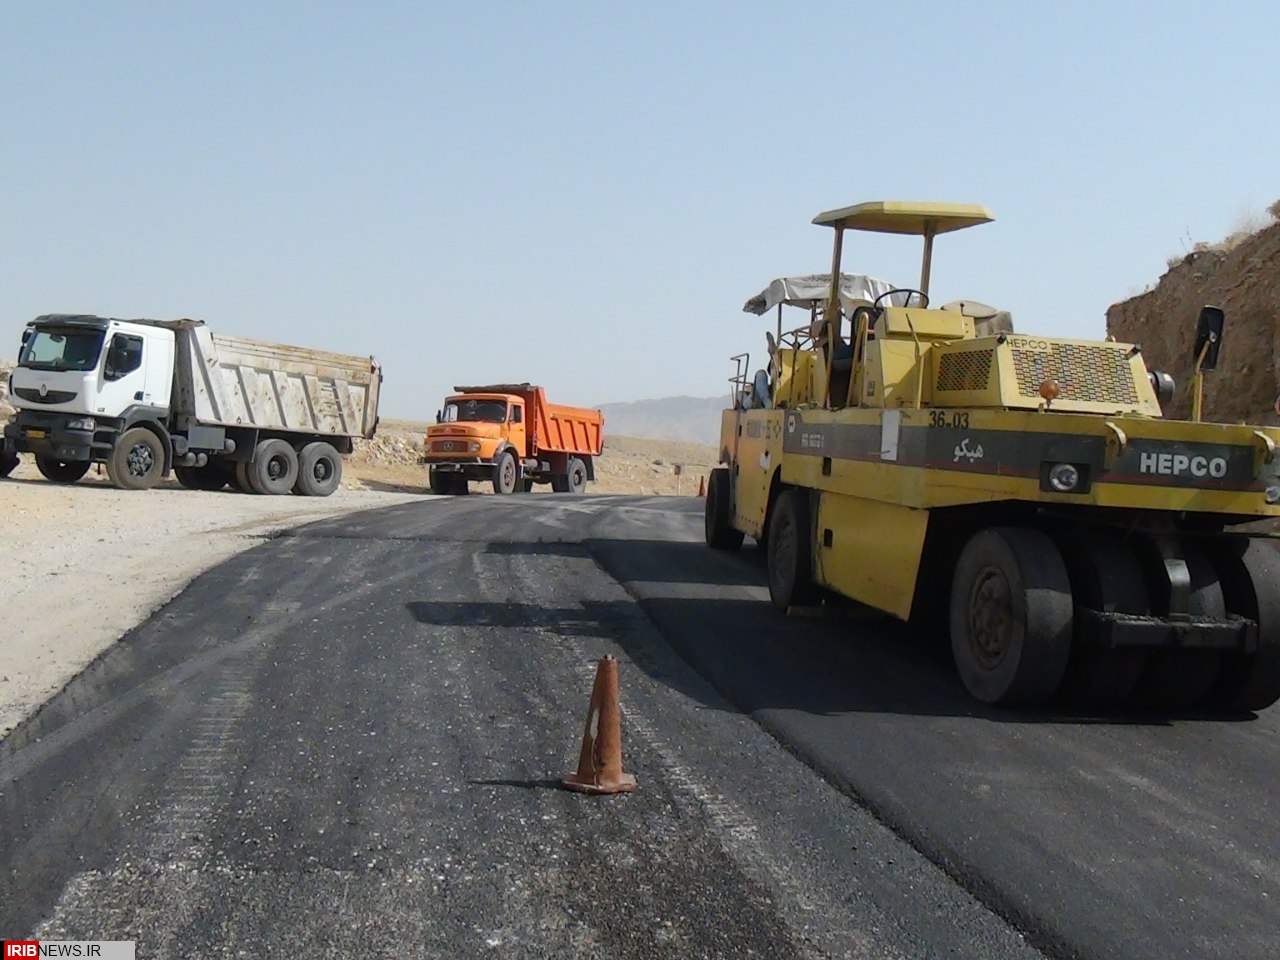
point(82, 564)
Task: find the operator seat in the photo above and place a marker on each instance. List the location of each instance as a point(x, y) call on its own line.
point(987, 320)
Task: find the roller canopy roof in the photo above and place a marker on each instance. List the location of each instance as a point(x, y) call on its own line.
point(903, 216)
point(813, 289)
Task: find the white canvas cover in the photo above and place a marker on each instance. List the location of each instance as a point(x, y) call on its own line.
point(812, 289)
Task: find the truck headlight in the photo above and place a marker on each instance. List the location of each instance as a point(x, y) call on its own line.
point(475, 446)
point(84, 423)
point(1273, 493)
point(1064, 477)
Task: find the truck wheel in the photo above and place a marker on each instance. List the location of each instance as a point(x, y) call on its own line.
point(240, 477)
point(505, 473)
point(790, 554)
point(319, 470)
point(61, 471)
point(577, 475)
point(274, 468)
point(1184, 678)
point(8, 462)
point(201, 478)
point(1011, 616)
point(137, 460)
point(1250, 571)
point(718, 523)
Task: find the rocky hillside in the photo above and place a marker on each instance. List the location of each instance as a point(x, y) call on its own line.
point(689, 419)
point(1241, 275)
point(5, 410)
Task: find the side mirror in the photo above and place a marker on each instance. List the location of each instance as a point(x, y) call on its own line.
point(1208, 337)
point(439, 417)
point(26, 335)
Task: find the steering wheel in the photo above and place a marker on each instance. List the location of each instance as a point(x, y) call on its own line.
point(923, 297)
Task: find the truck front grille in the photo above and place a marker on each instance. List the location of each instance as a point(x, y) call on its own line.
point(52, 396)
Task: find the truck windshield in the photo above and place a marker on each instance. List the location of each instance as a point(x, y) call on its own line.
point(488, 411)
point(54, 349)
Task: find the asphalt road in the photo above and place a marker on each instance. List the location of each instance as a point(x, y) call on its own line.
point(350, 738)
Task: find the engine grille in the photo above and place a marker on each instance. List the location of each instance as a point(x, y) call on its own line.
point(53, 396)
point(1090, 374)
point(965, 370)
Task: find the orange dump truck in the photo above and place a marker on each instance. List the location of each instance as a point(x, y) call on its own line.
point(508, 434)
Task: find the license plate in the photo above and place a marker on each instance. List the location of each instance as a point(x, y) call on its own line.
point(36, 434)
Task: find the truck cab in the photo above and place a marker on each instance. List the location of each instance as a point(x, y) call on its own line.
point(80, 381)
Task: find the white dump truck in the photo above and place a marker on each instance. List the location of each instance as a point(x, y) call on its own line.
point(145, 397)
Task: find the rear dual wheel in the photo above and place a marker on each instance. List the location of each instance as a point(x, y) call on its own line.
point(319, 470)
point(274, 468)
point(574, 479)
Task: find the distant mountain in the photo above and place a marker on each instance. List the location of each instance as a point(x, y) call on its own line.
point(693, 419)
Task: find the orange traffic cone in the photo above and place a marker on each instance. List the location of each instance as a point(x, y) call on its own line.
point(600, 763)
point(702, 486)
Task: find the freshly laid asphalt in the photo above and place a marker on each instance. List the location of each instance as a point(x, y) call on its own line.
point(351, 738)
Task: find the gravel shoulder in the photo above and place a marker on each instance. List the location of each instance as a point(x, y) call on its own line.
point(83, 564)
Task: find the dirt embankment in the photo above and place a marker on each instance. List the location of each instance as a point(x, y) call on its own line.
point(1241, 275)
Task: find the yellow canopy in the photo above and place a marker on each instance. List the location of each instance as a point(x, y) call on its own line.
point(905, 216)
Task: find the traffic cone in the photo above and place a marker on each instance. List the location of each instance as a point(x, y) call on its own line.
point(600, 763)
point(702, 486)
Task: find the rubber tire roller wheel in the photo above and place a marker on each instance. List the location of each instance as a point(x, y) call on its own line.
point(717, 522)
point(1011, 616)
point(790, 554)
point(1105, 576)
point(1185, 678)
point(1250, 571)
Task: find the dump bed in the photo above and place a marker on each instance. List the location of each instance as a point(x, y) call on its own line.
point(554, 428)
point(236, 381)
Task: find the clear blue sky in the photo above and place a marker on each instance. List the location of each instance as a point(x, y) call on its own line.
point(584, 194)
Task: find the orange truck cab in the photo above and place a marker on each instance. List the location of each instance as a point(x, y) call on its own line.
point(508, 434)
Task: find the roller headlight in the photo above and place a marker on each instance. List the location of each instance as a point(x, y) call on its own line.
point(1273, 493)
point(1064, 477)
